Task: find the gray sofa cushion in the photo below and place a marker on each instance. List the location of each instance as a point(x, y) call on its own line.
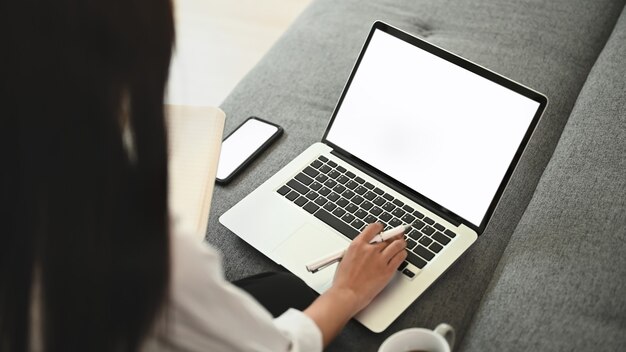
point(561, 283)
point(548, 46)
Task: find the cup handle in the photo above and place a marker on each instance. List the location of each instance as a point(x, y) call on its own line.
point(447, 332)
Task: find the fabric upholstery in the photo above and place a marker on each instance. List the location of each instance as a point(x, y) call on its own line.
point(547, 45)
point(561, 283)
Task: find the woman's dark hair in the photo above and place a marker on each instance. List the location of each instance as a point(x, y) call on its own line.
point(84, 214)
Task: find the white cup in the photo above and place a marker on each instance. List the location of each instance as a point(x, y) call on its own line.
point(418, 339)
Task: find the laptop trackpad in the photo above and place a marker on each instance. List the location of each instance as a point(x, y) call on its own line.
point(306, 245)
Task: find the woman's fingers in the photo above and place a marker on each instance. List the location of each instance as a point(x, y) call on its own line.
point(369, 232)
point(394, 248)
point(397, 259)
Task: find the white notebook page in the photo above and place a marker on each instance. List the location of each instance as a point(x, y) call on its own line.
point(195, 139)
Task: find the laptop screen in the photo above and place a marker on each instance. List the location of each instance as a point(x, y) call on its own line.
point(436, 127)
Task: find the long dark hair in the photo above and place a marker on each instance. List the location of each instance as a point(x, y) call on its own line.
point(83, 217)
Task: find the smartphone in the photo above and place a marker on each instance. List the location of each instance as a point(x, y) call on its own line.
point(243, 145)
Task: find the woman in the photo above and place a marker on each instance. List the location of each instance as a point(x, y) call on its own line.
point(87, 257)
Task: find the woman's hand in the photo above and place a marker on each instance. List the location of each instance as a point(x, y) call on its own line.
point(367, 268)
point(362, 273)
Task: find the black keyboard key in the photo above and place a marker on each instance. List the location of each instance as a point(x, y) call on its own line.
point(418, 224)
point(360, 213)
point(348, 194)
point(414, 234)
point(316, 185)
point(342, 179)
point(450, 234)
point(325, 169)
point(330, 206)
point(357, 200)
point(357, 224)
point(293, 195)
point(408, 273)
point(369, 195)
point(311, 207)
point(324, 191)
point(410, 244)
point(348, 218)
point(301, 201)
point(435, 247)
point(379, 201)
point(339, 188)
point(368, 185)
point(337, 224)
point(439, 227)
point(352, 185)
point(398, 202)
point(312, 195)
point(385, 217)
point(415, 260)
point(402, 266)
point(398, 212)
point(310, 171)
point(378, 191)
point(441, 238)
point(418, 215)
point(428, 230)
point(408, 218)
point(321, 201)
point(304, 178)
point(425, 240)
point(388, 207)
point(298, 186)
point(341, 168)
point(376, 211)
point(395, 222)
point(323, 158)
point(360, 190)
point(350, 174)
point(283, 190)
point(330, 183)
point(423, 252)
point(316, 163)
point(333, 174)
point(370, 219)
point(367, 205)
point(333, 196)
point(342, 202)
point(359, 180)
point(339, 212)
point(321, 178)
point(351, 208)
point(388, 197)
point(408, 208)
point(331, 163)
point(429, 221)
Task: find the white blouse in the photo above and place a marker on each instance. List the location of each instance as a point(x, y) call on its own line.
point(207, 313)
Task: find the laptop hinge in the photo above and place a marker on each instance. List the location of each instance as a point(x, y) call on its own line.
point(451, 218)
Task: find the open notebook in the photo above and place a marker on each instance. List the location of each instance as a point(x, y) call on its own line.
point(195, 139)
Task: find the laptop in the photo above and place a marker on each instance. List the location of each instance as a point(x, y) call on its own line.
point(419, 136)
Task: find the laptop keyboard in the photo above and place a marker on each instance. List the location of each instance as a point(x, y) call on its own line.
point(347, 203)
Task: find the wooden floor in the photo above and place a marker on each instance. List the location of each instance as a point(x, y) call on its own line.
point(219, 41)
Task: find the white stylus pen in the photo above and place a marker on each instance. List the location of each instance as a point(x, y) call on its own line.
point(335, 257)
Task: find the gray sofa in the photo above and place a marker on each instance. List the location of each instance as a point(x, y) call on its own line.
point(549, 273)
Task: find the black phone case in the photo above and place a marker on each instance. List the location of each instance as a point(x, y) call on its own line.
point(256, 153)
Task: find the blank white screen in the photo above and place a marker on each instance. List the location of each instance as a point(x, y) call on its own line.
point(241, 144)
point(439, 129)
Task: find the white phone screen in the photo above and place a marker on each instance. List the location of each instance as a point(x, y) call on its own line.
point(236, 149)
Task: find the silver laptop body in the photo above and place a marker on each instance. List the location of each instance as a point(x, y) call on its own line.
point(420, 136)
